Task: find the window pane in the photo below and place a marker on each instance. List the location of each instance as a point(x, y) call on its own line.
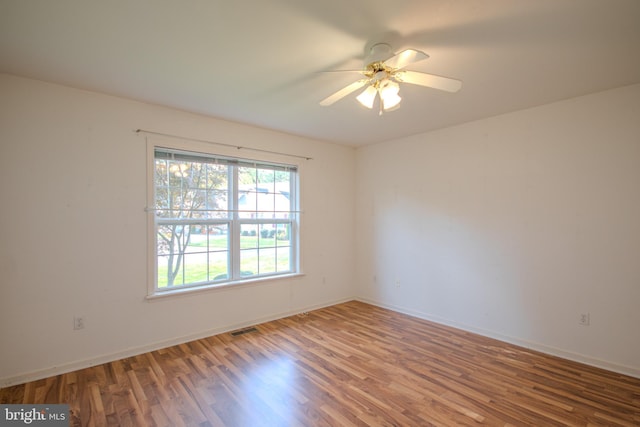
point(246, 192)
point(267, 235)
point(265, 205)
point(247, 202)
point(218, 239)
point(248, 236)
point(282, 198)
point(219, 266)
point(283, 242)
point(283, 234)
point(195, 267)
point(284, 259)
point(167, 241)
point(247, 176)
point(164, 275)
point(283, 184)
point(190, 189)
point(172, 243)
point(248, 262)
point(217, 177)
point(267, 260)
point(217, 202)
point(196, 240)
point(266, 179)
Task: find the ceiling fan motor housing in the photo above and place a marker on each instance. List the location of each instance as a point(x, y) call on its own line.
point(375, 68)
point(378, 52)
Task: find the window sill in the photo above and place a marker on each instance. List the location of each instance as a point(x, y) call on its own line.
point(221, 286)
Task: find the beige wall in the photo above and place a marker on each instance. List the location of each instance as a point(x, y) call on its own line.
point(73, 231)
point(513, 226)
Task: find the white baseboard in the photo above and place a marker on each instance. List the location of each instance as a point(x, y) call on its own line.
point(134, 351)
point(609, 366)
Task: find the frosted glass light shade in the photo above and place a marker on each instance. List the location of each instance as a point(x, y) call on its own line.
point(389, 95)
point(367, 97)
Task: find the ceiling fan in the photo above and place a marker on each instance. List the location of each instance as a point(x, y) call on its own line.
point(383, 72)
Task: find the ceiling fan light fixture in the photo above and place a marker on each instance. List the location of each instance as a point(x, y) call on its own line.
point(391, 102)
point(383, 71)
point(389, 95)
point(367, 97)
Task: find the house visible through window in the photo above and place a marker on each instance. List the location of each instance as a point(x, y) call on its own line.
point(222, 220)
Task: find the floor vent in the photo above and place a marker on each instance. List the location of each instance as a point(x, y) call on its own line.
point(244, 331)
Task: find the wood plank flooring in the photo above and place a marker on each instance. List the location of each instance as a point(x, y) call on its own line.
point(351, 364)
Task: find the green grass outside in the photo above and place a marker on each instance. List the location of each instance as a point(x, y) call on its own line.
point(246, 242)
point(250, 262)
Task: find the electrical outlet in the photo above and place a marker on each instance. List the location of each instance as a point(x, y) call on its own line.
point(585, 319)
point(397, 283)
point(78, 322)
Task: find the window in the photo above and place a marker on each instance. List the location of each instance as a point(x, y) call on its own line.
point(221, 220)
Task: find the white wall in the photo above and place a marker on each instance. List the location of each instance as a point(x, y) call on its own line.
point(73, 231)
point(510, 226)
point(513, 226)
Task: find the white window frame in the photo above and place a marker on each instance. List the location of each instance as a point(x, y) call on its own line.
point(236, 278)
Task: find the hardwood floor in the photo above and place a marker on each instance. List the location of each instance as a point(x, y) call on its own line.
point(350, 364)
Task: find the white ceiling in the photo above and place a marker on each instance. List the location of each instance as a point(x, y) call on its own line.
point(261, 62)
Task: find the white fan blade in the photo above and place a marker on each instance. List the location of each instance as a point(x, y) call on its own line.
point(343, 92)
point(429, 80)
point(404, 58)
